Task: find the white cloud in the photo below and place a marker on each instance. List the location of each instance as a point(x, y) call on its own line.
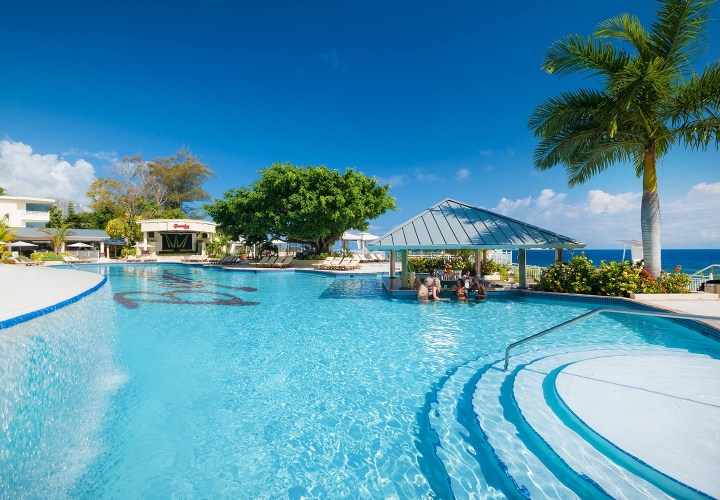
point(489, 168)
point(422, 175)
point(108, 156)
point(333, 57)
point(687, 222)
point(461, 174)
point(24, 173)
point(510, 151)
point(486, 152)
point(599, 202)
point(393, 180)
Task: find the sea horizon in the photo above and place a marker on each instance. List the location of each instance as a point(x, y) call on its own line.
point(690, 259)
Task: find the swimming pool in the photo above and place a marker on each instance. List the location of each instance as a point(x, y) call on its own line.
point(179, 381)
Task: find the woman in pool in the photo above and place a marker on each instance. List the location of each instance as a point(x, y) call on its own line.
point(459, 289)
point(433, 285)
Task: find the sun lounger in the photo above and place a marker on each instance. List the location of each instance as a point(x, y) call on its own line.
point(24, 260)
point(326, 262)
point(261, 262)
point(18, 262)
point(270, 262)
point(285, 262)
point(332, 263)
point(354, 263)
point(344, 261)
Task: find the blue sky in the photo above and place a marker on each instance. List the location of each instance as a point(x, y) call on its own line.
point(431, 98)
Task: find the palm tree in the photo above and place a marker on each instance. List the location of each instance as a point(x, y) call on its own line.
point(5, 234)
point(58, 235)
point(651, 99)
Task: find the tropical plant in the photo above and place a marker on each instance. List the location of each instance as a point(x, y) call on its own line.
point(58, 235)
point(5, 234)
point(651, 99)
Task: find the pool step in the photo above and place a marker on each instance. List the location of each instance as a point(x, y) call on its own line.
point(506, 433)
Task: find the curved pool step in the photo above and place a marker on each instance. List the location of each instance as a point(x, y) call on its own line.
point(534, 391)
point(459, 444)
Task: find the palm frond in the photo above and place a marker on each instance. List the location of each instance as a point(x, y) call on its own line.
point(679, 33)
point(600, 157)
point(553, 115)
point(575, 54)
point(698, 134)
point(626, 28)
point(699, 98)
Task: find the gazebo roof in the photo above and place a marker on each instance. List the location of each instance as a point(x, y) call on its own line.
point(454, 225)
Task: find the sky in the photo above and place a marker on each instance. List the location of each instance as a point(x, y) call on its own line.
point(431, 98)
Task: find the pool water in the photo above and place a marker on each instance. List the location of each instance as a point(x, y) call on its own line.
point(176, 381)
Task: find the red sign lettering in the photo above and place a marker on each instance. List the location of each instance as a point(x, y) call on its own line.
point(181, 226)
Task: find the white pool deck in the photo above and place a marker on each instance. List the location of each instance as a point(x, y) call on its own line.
point(663, 410)
point(24, 290)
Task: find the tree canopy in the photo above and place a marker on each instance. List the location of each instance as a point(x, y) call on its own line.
point(182, 177)
point(651, 100)
point(310, 205)
point(138, 189)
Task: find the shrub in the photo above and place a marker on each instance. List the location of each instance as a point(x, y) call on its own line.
point(616, 279)
point(48, 256)
point(491, 267)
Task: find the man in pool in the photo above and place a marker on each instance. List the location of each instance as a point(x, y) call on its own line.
point(433, 285)
point(479, 288)
point(422, 290)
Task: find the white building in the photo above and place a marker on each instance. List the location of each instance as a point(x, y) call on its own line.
point(176, 235)
point(26, 212)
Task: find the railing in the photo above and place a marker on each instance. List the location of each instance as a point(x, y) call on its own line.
point(598, 311)
point(698, 278)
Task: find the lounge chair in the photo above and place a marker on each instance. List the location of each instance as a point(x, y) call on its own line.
point(149, 258)
point(344, 261)
point(335, 261)
point(285, 262)
point(354, 263)
point(261, 262)
point(270, 262)
point(24, 260)
point(326, 262)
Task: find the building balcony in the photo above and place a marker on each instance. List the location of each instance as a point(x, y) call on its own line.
point(34, 216)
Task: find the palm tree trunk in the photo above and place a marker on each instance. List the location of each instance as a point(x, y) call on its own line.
point(650, 215)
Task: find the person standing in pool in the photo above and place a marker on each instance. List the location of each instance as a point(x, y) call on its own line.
point(433, 285)
point(479, 288)
point(422, 290)
point(459, 289)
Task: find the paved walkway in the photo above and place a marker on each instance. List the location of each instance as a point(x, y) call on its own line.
point(24, 290)
point(705, 304)
point(663, 410)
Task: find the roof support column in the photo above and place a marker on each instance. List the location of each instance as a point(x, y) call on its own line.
point(393, 258)
point(522, 267)
point(404, 269)
point(478, 253)
point(558, 255)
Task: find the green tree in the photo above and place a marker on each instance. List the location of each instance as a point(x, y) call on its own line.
point(311, 205)
point(182, 177)
point(3, 192)
point(58, 235)
point(5, 233)
point(121, 227)
point(56, 217)
point(650, 100)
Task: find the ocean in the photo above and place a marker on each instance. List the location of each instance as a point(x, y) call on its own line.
point(690, 260)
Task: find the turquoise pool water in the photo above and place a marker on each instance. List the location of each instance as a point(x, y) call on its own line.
point(186, 382)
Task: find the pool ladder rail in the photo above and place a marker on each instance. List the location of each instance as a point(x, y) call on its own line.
point(603, 310)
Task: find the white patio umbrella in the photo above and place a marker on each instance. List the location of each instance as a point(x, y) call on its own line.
point(19, 244)
point(366, 237)
point(79, 245)
point(347, 238)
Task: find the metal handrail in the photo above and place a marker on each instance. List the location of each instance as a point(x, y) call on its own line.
point(701, 271)
point(598, 311)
